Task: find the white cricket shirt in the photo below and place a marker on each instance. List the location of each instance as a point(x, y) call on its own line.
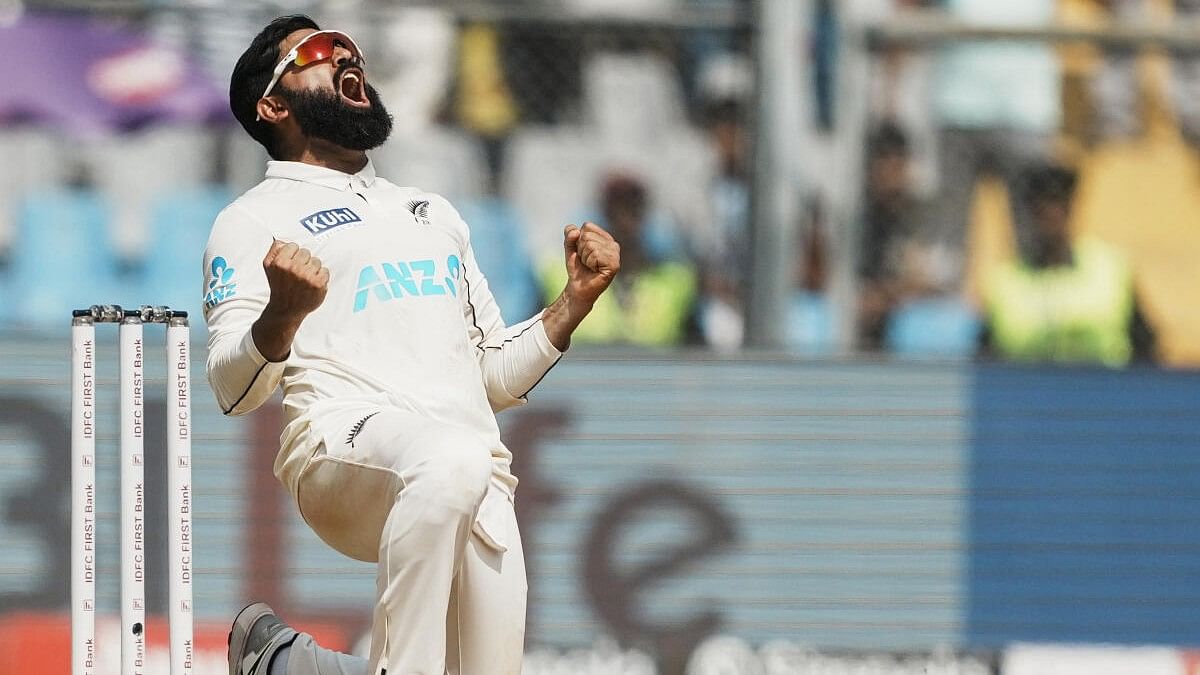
point(408, 320)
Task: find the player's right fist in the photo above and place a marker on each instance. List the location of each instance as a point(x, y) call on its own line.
point(298, 281)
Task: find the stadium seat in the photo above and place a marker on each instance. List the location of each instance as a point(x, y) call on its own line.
point(811, 324)
point(551, 173)
point(437, 159)
point(63, 258)
point(32, 161)
point(634, 97)
point(246, 160)
point(942, 327)
point(621, 8)
point(132, 169)
point(180, 222)
point(498, 238)
point(419, 45)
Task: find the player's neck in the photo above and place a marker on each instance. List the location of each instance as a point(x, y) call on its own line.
point(331, 156)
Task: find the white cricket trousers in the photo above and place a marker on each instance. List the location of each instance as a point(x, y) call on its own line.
point(416, 497)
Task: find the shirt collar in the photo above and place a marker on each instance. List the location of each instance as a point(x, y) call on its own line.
point(319, 175)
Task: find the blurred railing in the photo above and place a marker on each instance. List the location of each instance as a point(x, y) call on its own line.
point(930, 30)
point(710, 14)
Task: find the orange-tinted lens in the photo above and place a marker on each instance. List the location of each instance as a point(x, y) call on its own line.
point(321, 46)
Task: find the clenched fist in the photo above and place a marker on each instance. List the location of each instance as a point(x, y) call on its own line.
point(298, 281)
point(593, 260)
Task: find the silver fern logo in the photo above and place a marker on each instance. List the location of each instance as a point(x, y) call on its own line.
point(420, 210)
point(357, 428)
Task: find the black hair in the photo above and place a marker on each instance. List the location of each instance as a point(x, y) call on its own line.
point(623, 188)
point(723, 111)
point(253, 73)
point(888, 139)
point(1048, 183)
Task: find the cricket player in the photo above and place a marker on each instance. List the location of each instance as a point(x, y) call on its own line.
point(364, 300)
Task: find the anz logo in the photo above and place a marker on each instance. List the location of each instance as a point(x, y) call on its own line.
point(221, 284)
point(323, 221)
point(415, 278)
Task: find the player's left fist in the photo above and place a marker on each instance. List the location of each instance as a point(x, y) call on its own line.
point(593, 260)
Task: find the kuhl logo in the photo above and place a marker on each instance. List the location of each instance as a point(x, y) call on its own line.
point(324, 221)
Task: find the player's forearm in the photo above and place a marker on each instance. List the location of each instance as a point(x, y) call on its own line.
point(274, 331)
point(513, 360)
point(240, 377)
point(561, 319)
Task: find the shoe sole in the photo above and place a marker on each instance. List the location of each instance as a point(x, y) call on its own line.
point(240, 631)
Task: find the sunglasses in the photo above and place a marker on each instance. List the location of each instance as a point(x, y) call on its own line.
point(317, 46)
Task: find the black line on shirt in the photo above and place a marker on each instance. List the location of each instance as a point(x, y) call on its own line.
point(474, 320)
point(507, 340)
point(539, 380)
point(248, 388)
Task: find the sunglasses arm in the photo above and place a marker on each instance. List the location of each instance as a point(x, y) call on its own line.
point(275, 77)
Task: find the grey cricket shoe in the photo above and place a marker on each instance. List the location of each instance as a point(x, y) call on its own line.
point(256, 635)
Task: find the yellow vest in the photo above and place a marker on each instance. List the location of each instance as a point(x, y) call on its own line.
point(652, 311)
point(1077, 313)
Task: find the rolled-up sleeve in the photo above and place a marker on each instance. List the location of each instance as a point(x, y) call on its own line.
point(235, 293)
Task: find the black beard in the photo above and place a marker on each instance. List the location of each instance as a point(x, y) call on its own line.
point(323, 114)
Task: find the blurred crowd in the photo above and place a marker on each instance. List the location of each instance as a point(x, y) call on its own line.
point(1031, 119)
point(646, 128)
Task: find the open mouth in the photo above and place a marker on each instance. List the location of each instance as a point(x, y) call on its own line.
point(353, 87)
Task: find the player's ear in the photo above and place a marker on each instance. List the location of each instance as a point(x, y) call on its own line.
point(272, 109)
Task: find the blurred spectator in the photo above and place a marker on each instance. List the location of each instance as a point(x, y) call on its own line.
point(900, 86)
point(1115, 85)
point(652, 299)
point(901, 260)
point(810, 322)
point(1068, 298)
point(726, 257)
point(997, 107)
